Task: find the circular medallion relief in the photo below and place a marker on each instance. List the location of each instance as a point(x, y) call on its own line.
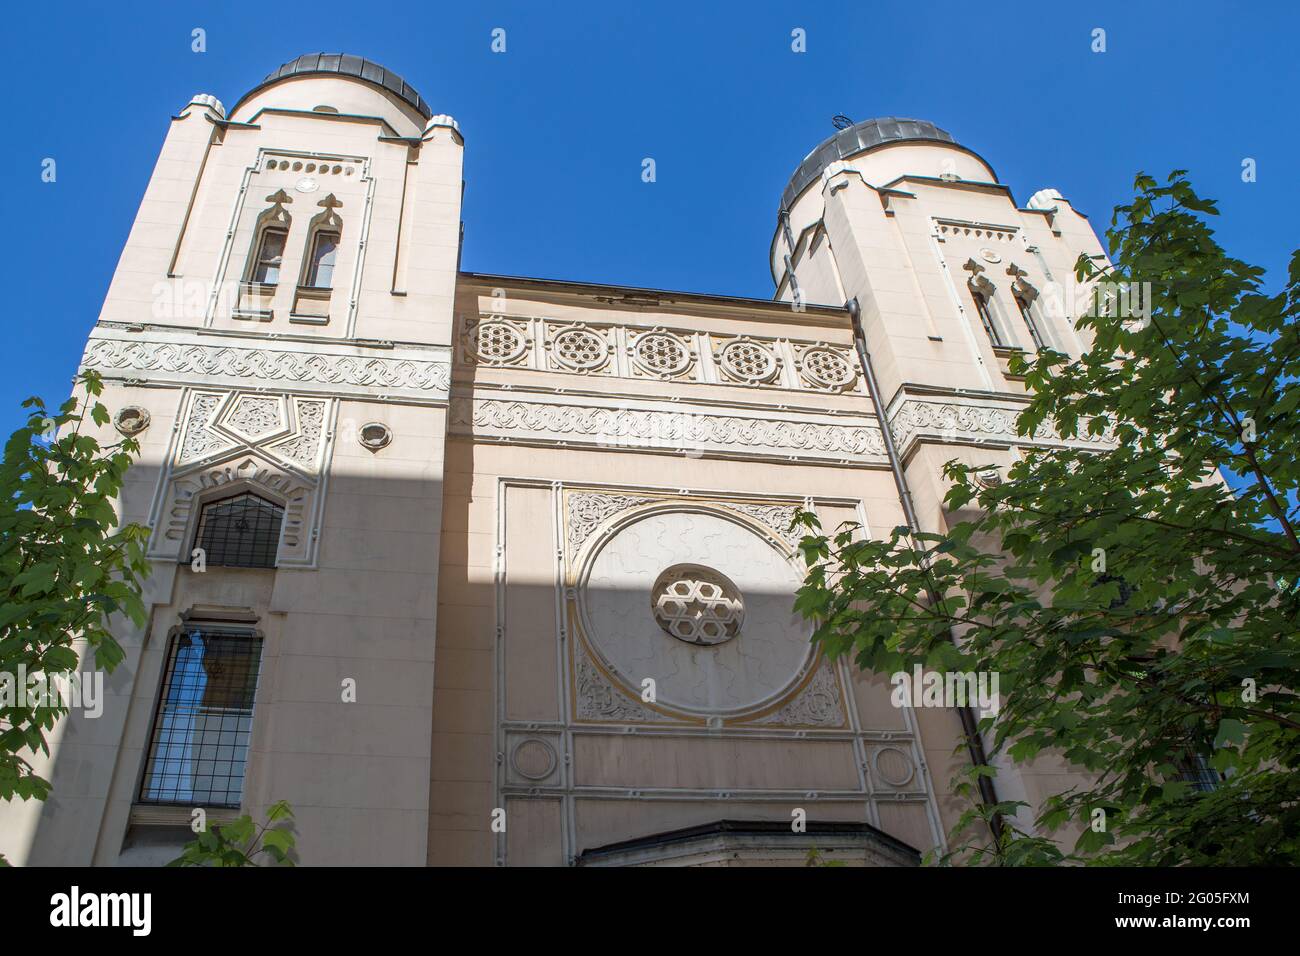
point(306, 185)
point(748, 361)
point(700, 602)
point(661, 353)
point(498, 342)
point(697, 605)
point(579, 349)
point(827, 368)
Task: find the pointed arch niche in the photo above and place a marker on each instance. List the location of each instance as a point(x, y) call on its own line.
point(273, 446)
point(316, 280)
point(264, 266)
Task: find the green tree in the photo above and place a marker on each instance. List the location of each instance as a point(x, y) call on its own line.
point(240, 843)
point(65, 568)
point(1140, 609)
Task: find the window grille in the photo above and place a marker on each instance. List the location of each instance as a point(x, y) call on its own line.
point(199, 745)
point(240, 532)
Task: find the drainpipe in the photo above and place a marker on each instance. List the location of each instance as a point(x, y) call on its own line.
point(969, 725)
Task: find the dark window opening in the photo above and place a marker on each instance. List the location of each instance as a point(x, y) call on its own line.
point(198, 749)
point(324, 250)
point(270, 256)
point(1026, 312)
point(240, 532)
point(985, 309)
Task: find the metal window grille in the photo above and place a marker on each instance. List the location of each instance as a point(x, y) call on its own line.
point(199, 745)
point(1196, 770)
point(240, 532)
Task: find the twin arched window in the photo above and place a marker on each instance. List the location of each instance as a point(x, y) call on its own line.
point(271, 238)
point(984, 294)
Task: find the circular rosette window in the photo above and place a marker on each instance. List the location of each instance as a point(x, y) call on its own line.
point(699, 601)
point(697, 604)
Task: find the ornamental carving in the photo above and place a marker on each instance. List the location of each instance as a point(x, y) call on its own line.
point(816, 705)
point(596, 699)
point(745, 360)
point(824, 367)
point(954, 421)
point(579, 349)
point(667, 430)
point(661, 353)
point(588, 509)
point(239, 365)
point(697, 605)
point(496, 341)
point(776, 517)
point(273, 444)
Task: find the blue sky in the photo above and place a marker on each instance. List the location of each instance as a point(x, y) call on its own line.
point(557, 126)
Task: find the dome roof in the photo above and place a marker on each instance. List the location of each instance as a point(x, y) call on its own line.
point(342, 64)
point(858, 137)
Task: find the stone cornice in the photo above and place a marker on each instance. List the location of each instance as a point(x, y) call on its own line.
point(157, 356)
point(622, 424)
point(956, 418)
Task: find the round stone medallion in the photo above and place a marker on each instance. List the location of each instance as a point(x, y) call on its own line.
point(698, 601)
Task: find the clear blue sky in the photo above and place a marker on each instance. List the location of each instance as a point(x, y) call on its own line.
point(585, 91)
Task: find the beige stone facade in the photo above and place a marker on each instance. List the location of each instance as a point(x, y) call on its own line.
point(538, 528)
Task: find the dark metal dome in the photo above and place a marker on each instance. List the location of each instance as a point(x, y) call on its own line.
point(342, 64)
point(855, 139)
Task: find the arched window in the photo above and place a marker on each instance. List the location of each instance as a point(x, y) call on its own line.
point(1027, 313)
point(982, 294)
point(324, 233)
point(1026, 297)
point(320, 265)
point(269, 239)
point(240, 532)
point(270, 256)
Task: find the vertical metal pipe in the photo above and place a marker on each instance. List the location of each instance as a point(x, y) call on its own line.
point(969, 725)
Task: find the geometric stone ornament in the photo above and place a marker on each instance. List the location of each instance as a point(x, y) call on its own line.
point(697, 605)
point(269, 444)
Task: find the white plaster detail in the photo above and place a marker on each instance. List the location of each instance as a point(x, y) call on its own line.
point(579, 349)
point(660, 353)
point(749, 361)
point(615, 590)
point(974, 420)
point(234, 440)
point(176, 358)
point(1046, 199)
point(208, 100)
point(662, 426)
point(816, 705)
point(588, 509)
point(596, 699)
point(697, 605)
point(131, 419)
point(824, 367)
